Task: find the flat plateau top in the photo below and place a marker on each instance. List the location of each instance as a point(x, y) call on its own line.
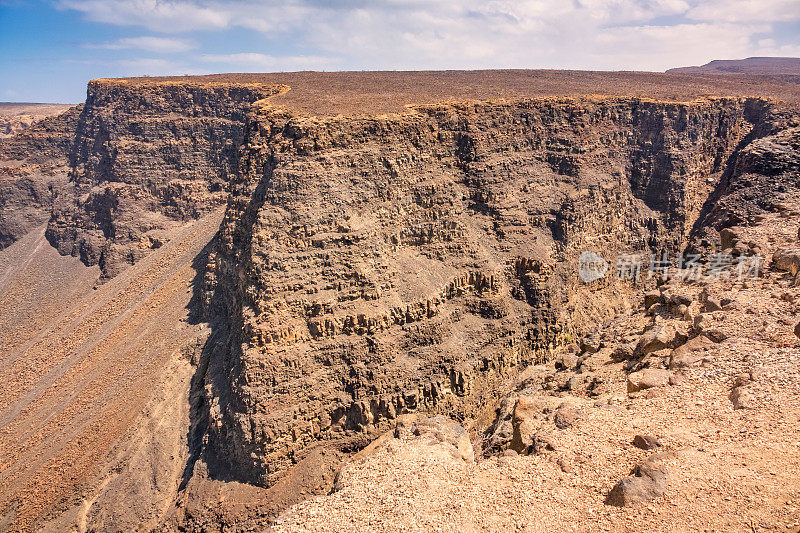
point(352, 93)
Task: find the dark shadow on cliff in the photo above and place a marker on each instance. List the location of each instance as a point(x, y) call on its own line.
point(198, 314)
point(757, 113)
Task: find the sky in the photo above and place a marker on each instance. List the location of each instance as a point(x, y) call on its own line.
point(51, 48)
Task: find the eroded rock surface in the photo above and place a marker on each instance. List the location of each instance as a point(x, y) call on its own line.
point(421, 271)
point(384, 265)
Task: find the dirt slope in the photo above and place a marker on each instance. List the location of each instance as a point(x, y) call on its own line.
point(80, 366)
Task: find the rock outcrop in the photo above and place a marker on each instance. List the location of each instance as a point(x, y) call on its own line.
point(145, 159)
point(374, 266)
point(382, 265)
point(34, 171)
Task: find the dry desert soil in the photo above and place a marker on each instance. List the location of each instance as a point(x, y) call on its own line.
point(349, 302)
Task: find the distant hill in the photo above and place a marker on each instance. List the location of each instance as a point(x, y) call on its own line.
point(772, 66)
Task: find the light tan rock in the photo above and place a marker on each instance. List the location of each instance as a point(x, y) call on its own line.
point(647, 378)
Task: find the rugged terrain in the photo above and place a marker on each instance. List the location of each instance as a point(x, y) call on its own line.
point(393, 247)
point(15, 117)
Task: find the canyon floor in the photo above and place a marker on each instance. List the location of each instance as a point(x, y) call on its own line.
point(675, 409)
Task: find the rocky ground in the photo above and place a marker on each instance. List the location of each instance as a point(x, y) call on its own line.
point(94, 385)
point(387, 261)
point(682, 414)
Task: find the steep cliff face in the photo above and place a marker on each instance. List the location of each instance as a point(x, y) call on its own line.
point(367, 266)
point(375, 266)
point(34, 169)
point(145, 159)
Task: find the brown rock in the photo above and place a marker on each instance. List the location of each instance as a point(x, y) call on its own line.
point(591, 344)
point(706, 325)
point(651, 298)
point(623, 352)
point(646, 442)
point(657, 338)
point(566, 360)
point(690, 353)
point(439, 429)
point(566, 417)
point(524, 424)
point(741, 398)
point(647, 482)
point(647, 378)
point(787, 260)
point(729, 237)
point(543, 442)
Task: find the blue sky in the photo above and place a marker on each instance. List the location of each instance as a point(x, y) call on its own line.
point(51, 48)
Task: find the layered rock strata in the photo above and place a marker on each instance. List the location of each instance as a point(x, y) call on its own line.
point(34, 170)
point(381, 265)
point(144, 159)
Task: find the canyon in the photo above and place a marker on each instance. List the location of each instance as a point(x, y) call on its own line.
point(229, 294)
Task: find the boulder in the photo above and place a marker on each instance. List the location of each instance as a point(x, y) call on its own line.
point(591, 344)
point(693, 311)
point(646, 442)
point(566, 360)
point(651, 298)
point(624, 352)
point(729, 237)
point(502, 431)
point(741, 397)
point(690, 353)
point(706, 325)
point(797, 330)
point(647, 378)
point(565, 417)
point(659, 337)
point(575, 383)
point(573, 348)
point(543, 442)
point(440, 429)
point(710, 303)
point(529, 417)
point(678, 299)
point(647, 482)
point(787, 260)
point(525, 423)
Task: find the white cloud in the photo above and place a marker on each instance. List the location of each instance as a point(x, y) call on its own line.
point(157, 15)
point(251, 61)
point(661, 47)
point(162, 45)
point(746, 10)
point(417, 34)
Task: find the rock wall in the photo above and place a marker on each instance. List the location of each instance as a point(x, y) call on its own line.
point(144, 159)
point(375, 266)
point(34, 169)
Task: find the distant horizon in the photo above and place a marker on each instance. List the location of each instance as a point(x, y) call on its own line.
point(52, 47)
